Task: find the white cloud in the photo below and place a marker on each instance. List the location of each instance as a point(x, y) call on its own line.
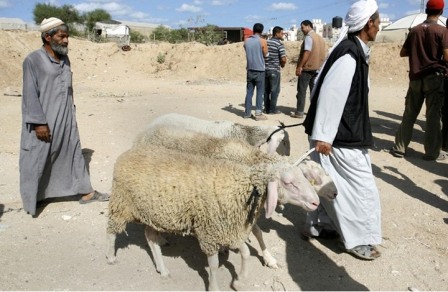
point(222, 2)
point(252, 18)
point(4, 3)
point(283, 6)
point(197, 2)
point(189, 8)
point(114, 8)
point(383, 5)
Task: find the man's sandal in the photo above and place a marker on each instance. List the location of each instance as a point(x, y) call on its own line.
point(365, 252)
point(97, 197)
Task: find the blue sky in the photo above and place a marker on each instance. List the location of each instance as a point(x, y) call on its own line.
point(185, 13)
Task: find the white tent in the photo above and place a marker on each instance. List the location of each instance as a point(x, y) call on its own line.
point(398, 30)
point(411, 21)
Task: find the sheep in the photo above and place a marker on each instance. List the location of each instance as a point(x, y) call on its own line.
point(214, 200)
point(175, 138)
point(254, 135)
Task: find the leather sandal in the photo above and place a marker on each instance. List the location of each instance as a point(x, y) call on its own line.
point(365, 252)
point(97, 197)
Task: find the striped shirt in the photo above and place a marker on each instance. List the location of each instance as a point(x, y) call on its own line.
point(276, 52)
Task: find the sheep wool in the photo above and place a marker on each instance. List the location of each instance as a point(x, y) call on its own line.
point(185, 194)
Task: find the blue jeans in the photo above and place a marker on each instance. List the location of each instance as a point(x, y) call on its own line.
point(255, 79)
point(306, 79)
point(271, 90)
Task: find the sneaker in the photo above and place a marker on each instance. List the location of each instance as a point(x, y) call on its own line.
point(275, 113)
point(297, 115)
point(260, 117)
point(247, 117)
point(396, 153)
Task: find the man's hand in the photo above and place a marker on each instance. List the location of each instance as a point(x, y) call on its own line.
point(43, 133)
point(323, 147)
point(298, 71)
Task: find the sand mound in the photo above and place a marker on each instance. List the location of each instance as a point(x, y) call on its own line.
point(191, 61)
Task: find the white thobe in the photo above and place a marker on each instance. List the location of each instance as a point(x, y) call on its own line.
point(356, 211)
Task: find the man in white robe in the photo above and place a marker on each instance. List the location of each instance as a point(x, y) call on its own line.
point(339, 127)
point(51, 162)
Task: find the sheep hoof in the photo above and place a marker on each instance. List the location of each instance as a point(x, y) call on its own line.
point(111, 260)
point(237, 285)
point(165, 275)
point(269, 260)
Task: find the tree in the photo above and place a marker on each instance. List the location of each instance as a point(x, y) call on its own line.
point(94, 16)
point(66, 13)
point(162, 33)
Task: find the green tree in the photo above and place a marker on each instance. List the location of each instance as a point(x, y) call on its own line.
point(162, 33)
point(66, 13)
point(137, 37)
point(207, 35)
point(94, 16)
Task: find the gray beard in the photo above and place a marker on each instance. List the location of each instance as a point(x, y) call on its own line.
point(59, 49)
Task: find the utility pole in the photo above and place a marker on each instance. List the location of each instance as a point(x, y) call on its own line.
point(422, 6)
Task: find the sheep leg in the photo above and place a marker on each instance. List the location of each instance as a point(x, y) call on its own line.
point(268, 259)
point(244, 272)
point(154, 239)
point(110, 254)
point(213, 264)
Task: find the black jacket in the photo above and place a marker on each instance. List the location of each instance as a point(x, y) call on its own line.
point(354, 128)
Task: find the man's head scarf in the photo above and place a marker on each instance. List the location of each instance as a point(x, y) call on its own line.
point(357, 17)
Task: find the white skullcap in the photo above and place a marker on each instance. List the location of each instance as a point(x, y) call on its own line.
point(49, 23)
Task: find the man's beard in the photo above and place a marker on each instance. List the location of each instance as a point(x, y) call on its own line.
point(59, 49)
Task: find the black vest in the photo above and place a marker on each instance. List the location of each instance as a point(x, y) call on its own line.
point(354, 129)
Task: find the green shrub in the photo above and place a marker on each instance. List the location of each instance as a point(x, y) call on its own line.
point(161, 58)
point(137, 37)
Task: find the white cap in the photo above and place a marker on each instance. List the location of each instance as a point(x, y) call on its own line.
point(49, 23)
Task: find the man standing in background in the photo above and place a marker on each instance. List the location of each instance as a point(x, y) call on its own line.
point(274, 62)
point(256, 50)
point(427, 49)
point(312, 56)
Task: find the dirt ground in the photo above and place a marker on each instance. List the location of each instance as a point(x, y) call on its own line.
point(117, 93)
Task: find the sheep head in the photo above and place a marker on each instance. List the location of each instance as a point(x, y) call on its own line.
point(321, 181)
point(291, 187)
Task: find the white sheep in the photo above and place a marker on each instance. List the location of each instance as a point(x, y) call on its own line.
point(179, 139)
point(176, 137)
point(214, 200)
point(254, 135)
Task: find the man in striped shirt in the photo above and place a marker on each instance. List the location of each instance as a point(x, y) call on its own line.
point(274, 62)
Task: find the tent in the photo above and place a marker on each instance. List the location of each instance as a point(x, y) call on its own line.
point(398, 30)
point(412, 20)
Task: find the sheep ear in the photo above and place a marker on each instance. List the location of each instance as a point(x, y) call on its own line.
point(272, 198)
point(312, 173)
